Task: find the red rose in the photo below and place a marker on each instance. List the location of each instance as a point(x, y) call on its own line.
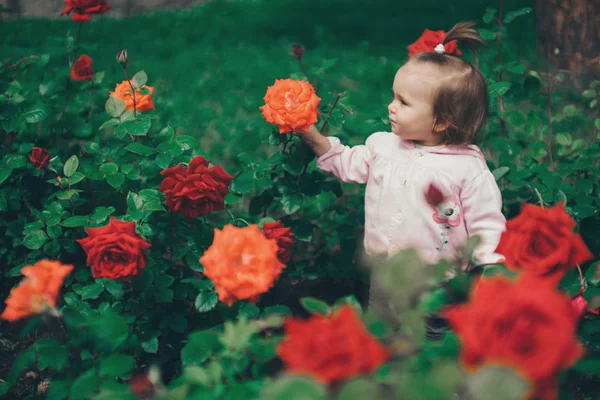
point(115, 250)
point(82, 69)
point(429, 40)
point(525, 324)
point(197, 190)
point(331, 348)
point(580, 306)
point(542, 241)
point(83, 8)
point(39, 157)
point(141, 386)
point(284, 236)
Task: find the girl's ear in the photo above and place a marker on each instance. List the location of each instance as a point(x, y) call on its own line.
point(440, 125)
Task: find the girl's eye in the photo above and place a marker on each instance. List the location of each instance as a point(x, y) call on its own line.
point(403, 102)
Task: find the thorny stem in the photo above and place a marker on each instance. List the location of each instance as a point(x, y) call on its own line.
point(303, 69)
point(133, 91)
point(78, 31)
point(322, 130)
point(581, 278)
point(549, 112)
point(500, 21)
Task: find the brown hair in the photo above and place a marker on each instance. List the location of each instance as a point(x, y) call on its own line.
point(461, 101)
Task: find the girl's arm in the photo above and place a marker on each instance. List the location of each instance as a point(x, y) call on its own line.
point(481, 202)
point(315, 140)
point(349, 164)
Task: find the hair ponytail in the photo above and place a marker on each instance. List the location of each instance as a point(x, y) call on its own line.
point(464, 32)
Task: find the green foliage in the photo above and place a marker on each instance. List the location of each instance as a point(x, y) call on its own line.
point(541, 143)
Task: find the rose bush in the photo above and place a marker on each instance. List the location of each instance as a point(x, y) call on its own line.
point(140, 314)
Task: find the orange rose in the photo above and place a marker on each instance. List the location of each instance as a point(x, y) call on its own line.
point(143, 102)
point(38, 290)
point(331, 348)
point(242, 263)
point(291, 105)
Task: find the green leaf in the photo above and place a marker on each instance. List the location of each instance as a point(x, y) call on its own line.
point(16, 161)
point(76, 178)
point(196, 351)
point(315, 306)
point(433, 301)
point(597, 123)
point(109, 123)
point(4, 174)
point(163, 160)
point(571, 110)
point(489, 15)
point(35, 116)
point(116, 365)
point(494, 382)
point(58, 390)
point(589, 93)
point(186, 142)
point(91, 147)
point(564, 139)
point(141, 149)
point(23, 361)
point(67, 194)
point(109, 168)
point(290, 203)
point(75, 221)
point(588, 365)
point(151, 345)
point(98, 77)
point(71, 166)
point(499, 88)
point(581, 211)
point(138, 127)
point(592, 275)
point(139, 79)
point(294, 388)
point(110, 328)
point(114, 106)
point(359, 389)
point(116, 180)
point(51, 355)
point(92, 291)
point(35, 240)
point(500, 172)
point(570, 283)
point(84, 386)
point(243, 184)
point(206, 301)
point(487, 34)
point(165, 135)
point(510, 16)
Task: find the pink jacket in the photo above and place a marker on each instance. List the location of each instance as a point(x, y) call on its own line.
point(396, 214)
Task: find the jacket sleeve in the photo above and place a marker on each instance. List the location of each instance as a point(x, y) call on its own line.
point(349, 164)
point(481, 203)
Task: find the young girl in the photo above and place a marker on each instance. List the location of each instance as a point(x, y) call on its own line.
point(439, 103)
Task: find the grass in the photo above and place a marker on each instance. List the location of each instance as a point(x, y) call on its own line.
point(211, 65)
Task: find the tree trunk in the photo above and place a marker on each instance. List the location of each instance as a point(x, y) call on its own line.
point(569, 33)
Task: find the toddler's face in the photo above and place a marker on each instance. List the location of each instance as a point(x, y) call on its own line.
point(411, 110)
